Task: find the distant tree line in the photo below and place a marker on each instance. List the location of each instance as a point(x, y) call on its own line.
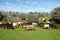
point(16, 16)
point(54, 16)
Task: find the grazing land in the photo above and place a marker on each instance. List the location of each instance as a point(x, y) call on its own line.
point(23, 34)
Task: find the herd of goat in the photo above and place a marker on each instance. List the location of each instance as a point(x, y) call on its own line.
point(28, 25)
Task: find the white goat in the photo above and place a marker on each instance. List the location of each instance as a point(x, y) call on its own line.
point(15, 25)
point(46, 26)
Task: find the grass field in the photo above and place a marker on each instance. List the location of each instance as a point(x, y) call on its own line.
point(22, 34)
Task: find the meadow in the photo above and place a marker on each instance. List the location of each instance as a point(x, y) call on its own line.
point(23, 34)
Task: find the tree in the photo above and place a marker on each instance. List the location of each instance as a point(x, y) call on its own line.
point(56, 14)
point(1, 17)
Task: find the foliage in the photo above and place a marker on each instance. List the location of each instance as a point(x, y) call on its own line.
point(16, 16)
point(43, 20)
point(56, 13)
point(1, 17)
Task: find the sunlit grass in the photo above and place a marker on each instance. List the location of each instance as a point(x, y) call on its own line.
point(22, 34)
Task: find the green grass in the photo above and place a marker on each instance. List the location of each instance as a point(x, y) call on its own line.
point(22, 34)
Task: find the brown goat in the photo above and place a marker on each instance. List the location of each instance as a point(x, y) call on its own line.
point(57, 26)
